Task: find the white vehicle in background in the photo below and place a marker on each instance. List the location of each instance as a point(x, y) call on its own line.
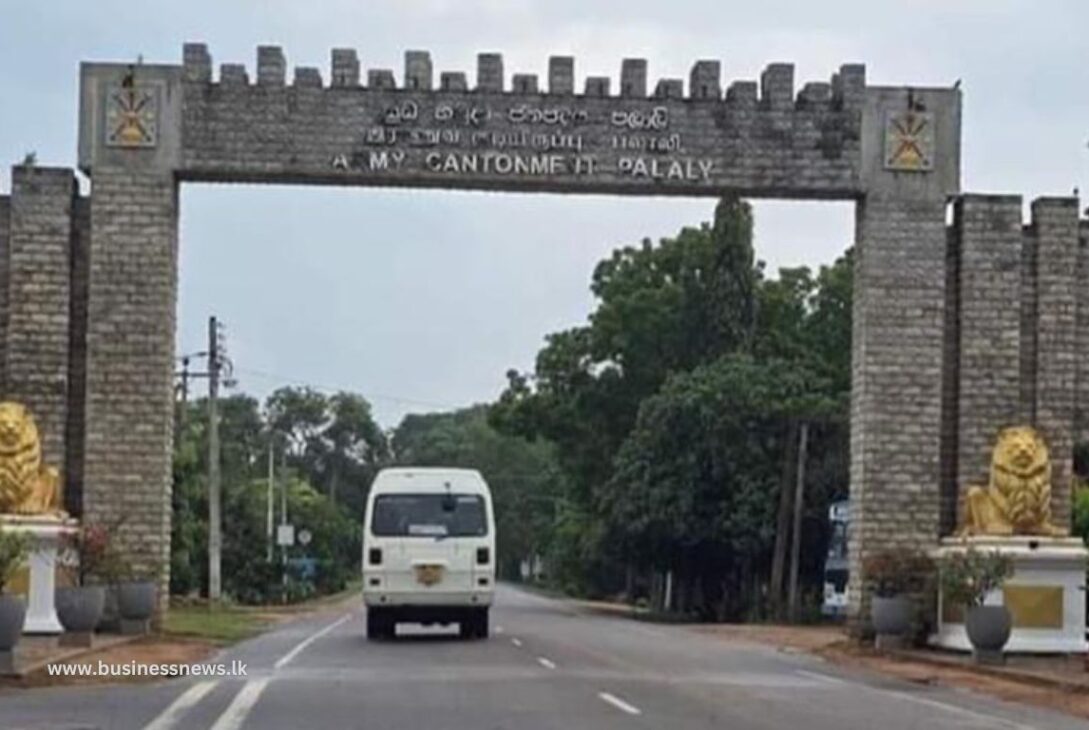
point(836, 562)
point(428, 550)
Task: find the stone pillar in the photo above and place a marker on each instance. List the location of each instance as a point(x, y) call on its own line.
point(1055, 232)
point(896, 384)
point(131, 283)
point(988, 232)
point(900, 352)
point(39, 271)
point(132, 291)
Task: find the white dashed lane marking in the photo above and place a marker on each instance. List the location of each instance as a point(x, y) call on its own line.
point(619, 703)
point(239, 709)
point(171, 715)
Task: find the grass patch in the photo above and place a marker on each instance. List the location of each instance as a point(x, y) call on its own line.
point(218, 624)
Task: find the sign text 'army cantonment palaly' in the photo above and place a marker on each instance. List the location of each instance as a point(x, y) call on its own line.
point(959, 329)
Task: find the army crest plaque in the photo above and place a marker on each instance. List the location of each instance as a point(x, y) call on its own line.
point(909, 141)
point(132, 115)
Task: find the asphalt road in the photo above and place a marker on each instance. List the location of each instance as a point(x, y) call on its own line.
point(547, 665)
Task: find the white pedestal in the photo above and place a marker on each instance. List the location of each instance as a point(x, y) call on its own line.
point(1046, 594)
point(46, 532)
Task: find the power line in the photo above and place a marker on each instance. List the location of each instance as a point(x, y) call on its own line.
point(266, 375)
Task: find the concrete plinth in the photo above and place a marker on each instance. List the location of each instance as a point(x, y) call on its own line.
point(1045, 595)
point(46, 533)
point(135, 626)
point(76, 639)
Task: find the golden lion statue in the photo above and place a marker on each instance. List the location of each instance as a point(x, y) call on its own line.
point(1018, 499)
point(26, 486)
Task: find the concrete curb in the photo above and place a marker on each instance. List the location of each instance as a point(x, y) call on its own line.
point(66, 656)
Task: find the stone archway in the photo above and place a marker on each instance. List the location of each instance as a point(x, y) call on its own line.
point(956, 329)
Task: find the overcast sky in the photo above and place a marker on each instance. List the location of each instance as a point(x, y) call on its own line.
point(423, 299)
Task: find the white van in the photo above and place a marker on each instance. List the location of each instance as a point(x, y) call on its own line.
point(428, 550)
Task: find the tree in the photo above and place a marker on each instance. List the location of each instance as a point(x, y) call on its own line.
point(323, 435)
point(807, 320)
point(333, 441)
point(357, 446)
point(524, 478)
point(661, 309)
point(694, 486)
point(241, 430)
point(298, 414)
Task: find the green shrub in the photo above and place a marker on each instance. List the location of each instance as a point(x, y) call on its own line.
point(967, 577)
point(14, 548)
point(1081, 510)
point(898, 572)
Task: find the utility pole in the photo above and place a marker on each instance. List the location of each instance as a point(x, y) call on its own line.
point(215, 537)
point(799, 503)
point(269, 518)
point(283, 521)
point(183, 389)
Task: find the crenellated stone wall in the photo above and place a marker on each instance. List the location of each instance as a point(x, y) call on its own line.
point(760, 138)
point(5, 225)
point(37, 312)
point(1081, 400)
point(1054, 230)
point(1020, 313)
point(987, 230)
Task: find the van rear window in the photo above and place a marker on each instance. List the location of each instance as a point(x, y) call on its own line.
point(429, 515)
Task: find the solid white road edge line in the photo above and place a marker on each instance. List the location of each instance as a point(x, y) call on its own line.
point(236, 712)
point(936, 704)
point(546, 663)
point(516, 641)
point(619, 703)
point(169, 717)
point(820, 677)
point(955, 710)
point(283, 661)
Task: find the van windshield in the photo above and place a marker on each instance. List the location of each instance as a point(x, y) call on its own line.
point(429, 515)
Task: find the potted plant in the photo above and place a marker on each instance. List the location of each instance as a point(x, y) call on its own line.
point(79, 606)
point(14, 548)
point(896, 577)
point(137, 595)
point(966, 579)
